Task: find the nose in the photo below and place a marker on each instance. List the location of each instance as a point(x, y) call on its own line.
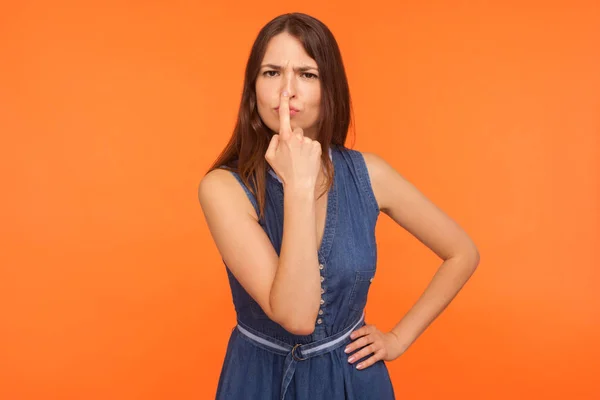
point(288, 82)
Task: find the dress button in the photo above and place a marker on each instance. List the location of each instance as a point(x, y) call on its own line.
point(320, 312)
point(371, 280)
point(319, 321)
point(322, 301)
point(320, 266)
point(322, 278)
point(322, 290)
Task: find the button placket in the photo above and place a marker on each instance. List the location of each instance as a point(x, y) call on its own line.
point(321, 312)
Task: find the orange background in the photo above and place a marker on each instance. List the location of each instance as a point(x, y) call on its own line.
point(110, 113)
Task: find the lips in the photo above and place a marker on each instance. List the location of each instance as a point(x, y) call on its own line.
point(291, 109)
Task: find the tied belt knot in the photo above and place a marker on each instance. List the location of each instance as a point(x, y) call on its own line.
point(298, 352)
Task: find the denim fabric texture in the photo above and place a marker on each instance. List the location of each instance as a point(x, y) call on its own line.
point(263, 361)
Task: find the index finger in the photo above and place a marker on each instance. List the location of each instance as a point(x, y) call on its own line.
point(284, 113)
point(362, 331)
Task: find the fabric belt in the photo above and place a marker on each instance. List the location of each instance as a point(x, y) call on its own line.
point(298, 352)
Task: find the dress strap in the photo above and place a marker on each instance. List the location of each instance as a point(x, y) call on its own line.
point(362, 176)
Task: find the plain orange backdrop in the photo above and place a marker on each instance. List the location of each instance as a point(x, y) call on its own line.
point(112, 111)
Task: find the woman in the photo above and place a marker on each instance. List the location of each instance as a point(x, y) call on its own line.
point(293, 213)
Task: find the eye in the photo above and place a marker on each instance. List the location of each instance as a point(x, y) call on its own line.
point(309, 75)
point(269, 74)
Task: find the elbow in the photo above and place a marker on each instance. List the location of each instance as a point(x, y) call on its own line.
point(299, 329)
point(469, 253)
point(472, 258)
point(295, 325)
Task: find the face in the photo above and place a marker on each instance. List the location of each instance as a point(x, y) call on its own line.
point(286, 66)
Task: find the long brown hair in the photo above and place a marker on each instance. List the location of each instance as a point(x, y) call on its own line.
point(245, 152)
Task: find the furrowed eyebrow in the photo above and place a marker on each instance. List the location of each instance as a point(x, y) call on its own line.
point(302, 68)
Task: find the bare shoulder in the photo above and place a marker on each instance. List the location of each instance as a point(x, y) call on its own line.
point(215, 179)
point(219, 190)
point(381, 173)
point(376, 165)
point(411, 209)
point(392, 190)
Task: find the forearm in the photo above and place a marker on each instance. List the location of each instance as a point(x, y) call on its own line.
point(295, 293)
point(444, 286)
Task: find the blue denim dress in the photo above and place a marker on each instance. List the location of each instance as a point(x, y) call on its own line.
point(264, 361)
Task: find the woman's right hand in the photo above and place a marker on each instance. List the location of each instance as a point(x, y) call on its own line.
point(295, 158)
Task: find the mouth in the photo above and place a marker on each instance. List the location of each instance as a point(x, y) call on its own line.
point(292, 109)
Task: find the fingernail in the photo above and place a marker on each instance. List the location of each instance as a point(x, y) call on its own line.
point(359, 366)
point(347, 349)
point(351, 359)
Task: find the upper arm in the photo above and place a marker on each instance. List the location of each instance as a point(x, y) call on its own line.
point(408, 207)
point(241, 241)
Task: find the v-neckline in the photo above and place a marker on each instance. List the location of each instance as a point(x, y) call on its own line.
point(330, 218)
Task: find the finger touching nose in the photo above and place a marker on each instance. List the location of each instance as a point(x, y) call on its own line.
point(288, 83)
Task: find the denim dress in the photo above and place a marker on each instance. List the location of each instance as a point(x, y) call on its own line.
point(263, 361)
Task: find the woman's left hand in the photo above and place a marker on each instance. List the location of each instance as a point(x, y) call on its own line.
point(383, 346)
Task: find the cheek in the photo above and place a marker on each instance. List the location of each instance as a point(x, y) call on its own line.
point(260, 95)
point(264, 96)
point(316, 97)
point(264, 104)
point(315, 102)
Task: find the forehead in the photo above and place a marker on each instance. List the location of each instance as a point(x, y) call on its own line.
point(285, 48)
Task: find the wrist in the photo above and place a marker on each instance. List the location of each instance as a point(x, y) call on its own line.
point(403, 344)
point(299, 191)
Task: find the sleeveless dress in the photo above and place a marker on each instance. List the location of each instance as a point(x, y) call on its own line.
point(263, 361)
